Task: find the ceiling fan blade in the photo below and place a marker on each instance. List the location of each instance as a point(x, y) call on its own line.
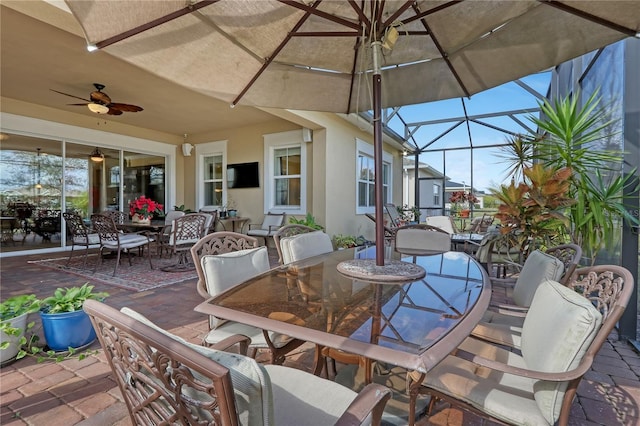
point(125, 107)
point(113, 111)
point(73, 96)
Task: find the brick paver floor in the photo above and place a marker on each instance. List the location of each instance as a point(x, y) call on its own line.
point(83, 393)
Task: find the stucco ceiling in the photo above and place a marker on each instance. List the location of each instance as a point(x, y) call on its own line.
point(36, 57)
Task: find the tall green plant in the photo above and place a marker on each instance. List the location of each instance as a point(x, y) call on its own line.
point(578, 137)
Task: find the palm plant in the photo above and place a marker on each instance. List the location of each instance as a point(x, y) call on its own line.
point(580, 138)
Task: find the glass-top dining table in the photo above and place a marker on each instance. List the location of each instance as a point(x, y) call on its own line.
point(412, 324)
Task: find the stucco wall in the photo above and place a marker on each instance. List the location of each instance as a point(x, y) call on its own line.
point(244, 145)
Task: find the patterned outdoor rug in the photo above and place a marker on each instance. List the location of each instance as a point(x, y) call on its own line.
point(137, 277)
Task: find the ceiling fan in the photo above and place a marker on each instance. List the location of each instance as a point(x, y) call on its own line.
point(100, 103)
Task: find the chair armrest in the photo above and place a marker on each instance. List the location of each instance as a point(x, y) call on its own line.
point(252, 225)
point(523, 372)
point(237, 339)
point(370, 401)
point(274, 227)
point(502, 282)
point(513, 310)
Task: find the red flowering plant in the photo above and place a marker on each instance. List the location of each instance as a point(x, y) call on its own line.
point(144, 207)
point(463, 197)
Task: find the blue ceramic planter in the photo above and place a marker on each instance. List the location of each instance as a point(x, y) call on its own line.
point(67, 329)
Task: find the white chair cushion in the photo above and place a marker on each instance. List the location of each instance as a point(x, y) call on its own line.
point(537, 268)
point(261, 232)
point(414, 239)
point(272, 220)
point(127, 241)
point(493, 392)
point(226, 329)
point(223, 271)
point(93, 239)
point(302, 246)
point(559, 327)
point(300, 398)
point(251, 383)
point(557, 331)
point(172, 215)
point(442, 222)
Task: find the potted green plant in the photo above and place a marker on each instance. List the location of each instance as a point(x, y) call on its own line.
point(347, 241)
point(13, 324)
point(65, 324)
point(308, 220)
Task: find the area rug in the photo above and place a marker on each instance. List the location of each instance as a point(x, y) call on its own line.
point(137, 277)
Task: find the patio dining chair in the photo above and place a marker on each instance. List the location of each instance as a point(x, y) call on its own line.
point(269, 226)
point(162, 237)
point(112, 239)
point(289, 231)
point(166, 380)
point(186, 231)
point(445, 223)
point(421, 238)
point(563, 331)
point(508, 305)
point(389, 231)
point(212, 218)
point(80, 235)
point(224, 259)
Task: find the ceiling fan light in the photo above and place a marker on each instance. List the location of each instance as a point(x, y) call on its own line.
point(97, 155)
point(98, 108)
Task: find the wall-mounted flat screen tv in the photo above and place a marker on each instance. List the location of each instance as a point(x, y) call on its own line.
point(243, 175)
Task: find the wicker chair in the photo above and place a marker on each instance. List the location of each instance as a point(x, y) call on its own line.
point(562, 333)
point(166, 380)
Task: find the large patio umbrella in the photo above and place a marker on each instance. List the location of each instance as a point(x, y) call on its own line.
point(350, 55)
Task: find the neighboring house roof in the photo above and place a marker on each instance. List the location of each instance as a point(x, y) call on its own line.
point(409, 164)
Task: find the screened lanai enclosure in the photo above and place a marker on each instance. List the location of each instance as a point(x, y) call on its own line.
point(460, 144)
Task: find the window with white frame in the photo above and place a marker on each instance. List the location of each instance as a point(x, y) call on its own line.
point(285, 173)
point(436, 194)
point(365, 178)
point(211, 182)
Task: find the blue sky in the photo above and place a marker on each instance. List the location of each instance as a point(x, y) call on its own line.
point(489, 170)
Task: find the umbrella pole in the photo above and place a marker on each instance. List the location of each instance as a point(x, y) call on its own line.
point(377, 151)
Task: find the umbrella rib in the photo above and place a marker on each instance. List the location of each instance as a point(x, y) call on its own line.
point(585, 15)
point(314, 11)
point(397, 13)
point(443, 54)
point(151, 24)
point(420, 15)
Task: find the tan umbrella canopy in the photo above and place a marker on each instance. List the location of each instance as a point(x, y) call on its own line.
point(350, 55)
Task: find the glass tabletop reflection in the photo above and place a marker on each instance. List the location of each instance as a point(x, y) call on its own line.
point(392, 322)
